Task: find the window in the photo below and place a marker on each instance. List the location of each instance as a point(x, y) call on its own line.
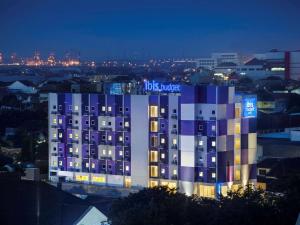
point(174, 141)
point(154, 141)
point(93, 108)
point(87, 165)
point(153, 156)
point(120, 153)
point(174, 111)
point(86, 108)
point(93, 165)
point(237, 112)
point(109, 123)
point(103, 122)
point(76, 164)
point(127, 168)
point(162, 141)
point(237, 174)
point(200, 112)
point(60, 121)
point(76, 108)
point(103, 137)
point(103, 167)
point(109, 108)
point(60, 135)
point(213, 144)
point(54, 121)
point(54, 135)
point(70, 121)
point(174, 126)
point(162, 125)
point(76, 121)
point(200, 143)
point(126, 124)
point(200, 127)
point(54, 107)
point(237, 143)
point(109, 167)
point(103, 151)
point(153, 171)
point(201, 174)
point(237, 128)
point(93, 122)
point(71, 164)
point(60, 163)
point(153, 126)
point(86, 136)
point(103, 108)
point(87, 122)
point(76, 149)
point(109, 137)
point(121, 109)
point(213, 175)
point(121, 124)
point(163, 171)
point(162, 110)
point(54, 148)
point(213, 112)
point(213, 159)
point(126, 109)
point(213, 128)
point(70, 107)
point(60, 107)
point(71, 150)
point(120, 138)
point(162, 155)
point(153, 111)
point(175, 172)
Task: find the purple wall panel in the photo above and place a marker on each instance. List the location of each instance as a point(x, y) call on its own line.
point(188, 127)
point(187, 173)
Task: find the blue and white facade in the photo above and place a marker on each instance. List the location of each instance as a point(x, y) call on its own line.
point(201, 140)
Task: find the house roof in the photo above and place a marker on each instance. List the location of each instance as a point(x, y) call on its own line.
point(22, 199)
point(255, 62)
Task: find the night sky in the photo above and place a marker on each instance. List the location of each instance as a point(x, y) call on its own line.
point(101, 29)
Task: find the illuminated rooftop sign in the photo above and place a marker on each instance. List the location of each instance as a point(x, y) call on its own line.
point(249, 106)
point(161, 87)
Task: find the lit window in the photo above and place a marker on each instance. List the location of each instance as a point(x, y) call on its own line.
point(109, 152)
point(127, 168)
point(174, 172)
point(71, 136)
point(213, 159)
point(162, 155)
point(120, 153)
point(103, 122)
point(153, 111)
point(76, 108)
point(162, 110)
point(76, 136)
point(237, 143)
point(120, 138)
point(54, 121)
point(60, 121)
point(237, 128)
point(76, 164)
point(86, 108)
point(93, 165)
point(70, 149)
point(71, 164)
point(153, 126)
point(163, 171)
point(103, 108)
point(213, 143)
point(109, 137)
point(200, 174)
point(104, 152)
point(60, 163)
point(109, 108)
point(54, 163)
point(174, 141)
point(153, 171)
point(162, 141)
point(213, 175)
point(86, 165)
point(153, 156)
point(213, 128)
point(60, 135)
point(126, 124)
point(200, 142)
point(76, 149)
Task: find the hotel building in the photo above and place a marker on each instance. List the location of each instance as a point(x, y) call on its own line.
point(201, 139)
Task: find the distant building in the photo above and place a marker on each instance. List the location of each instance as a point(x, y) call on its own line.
point(22, 87)
point(217, 59)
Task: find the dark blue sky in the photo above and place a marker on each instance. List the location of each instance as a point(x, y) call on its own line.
point(126, 28)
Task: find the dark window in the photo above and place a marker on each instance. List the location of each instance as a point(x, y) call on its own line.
point(200, 112)
point(174, 126)
point(121, 124)
point(126, 109)
point(103, 137)
point(200, 127)
point(54, 107)
point(126, 153)
point(213, 112)
point(121, 109)
point(60, 107)
point(103, 166)
point(109, 123)
point(174, 111)
point(93, 122)
point(70, 121)
point(93, 108)
point(76, 121)
point(109, 166)
point(70, 107)
point(54, 149)
point(162, 125)
point(87, 122)
point(126, 138)
point(86, 108)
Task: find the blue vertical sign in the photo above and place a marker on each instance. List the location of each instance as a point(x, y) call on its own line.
point(249, 106)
